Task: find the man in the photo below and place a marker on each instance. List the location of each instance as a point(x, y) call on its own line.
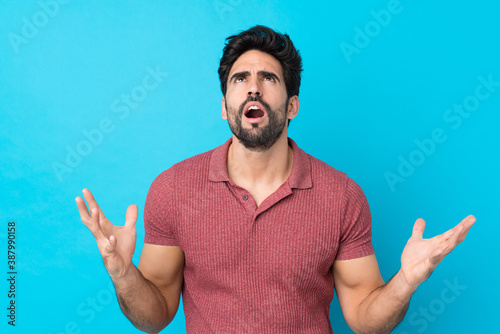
point(256, 233)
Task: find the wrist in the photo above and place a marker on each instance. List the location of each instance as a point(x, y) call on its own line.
point(405, 288)
point(126, 277)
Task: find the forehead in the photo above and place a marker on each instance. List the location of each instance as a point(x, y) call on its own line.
point(255, 60)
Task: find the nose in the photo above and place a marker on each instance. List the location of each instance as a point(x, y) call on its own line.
point(254, 87)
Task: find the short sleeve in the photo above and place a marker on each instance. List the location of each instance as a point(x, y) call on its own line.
point(158, 217)
point(355, 234)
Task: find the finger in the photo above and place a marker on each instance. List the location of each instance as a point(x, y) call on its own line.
point(131, 216)
point(110, 247)
point(436, 257)
point(445, 237)
point(461, 230)
point(91, 200)
point(458, 233)
point(449, 239)
point(95, 226)
point(418, 228)
point(82, 209)
point(467, 224)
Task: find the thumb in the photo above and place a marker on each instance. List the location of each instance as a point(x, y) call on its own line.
point(131, 216)
point(418, 228)
point(110, 247)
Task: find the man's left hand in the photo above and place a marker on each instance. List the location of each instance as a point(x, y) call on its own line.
point(420, 256)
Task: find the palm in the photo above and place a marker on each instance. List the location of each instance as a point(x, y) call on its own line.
point(418, 259)
point(420, 256)
point(125, 243)
point(116, 243)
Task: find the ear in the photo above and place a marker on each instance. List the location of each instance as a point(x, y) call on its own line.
point(293, 107)
point(224, 111)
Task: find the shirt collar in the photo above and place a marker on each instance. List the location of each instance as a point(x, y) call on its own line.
point(300, 177)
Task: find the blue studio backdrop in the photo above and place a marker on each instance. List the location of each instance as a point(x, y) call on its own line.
point(403, 96)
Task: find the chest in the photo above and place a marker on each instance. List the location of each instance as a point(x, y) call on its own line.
point(290, 241)
point(260, 192)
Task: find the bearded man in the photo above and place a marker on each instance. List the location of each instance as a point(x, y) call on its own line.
point(256, 234)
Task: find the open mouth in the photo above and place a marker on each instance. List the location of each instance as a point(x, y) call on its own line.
point(254, 112)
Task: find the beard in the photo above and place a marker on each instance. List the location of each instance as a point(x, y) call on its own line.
point(258, 138)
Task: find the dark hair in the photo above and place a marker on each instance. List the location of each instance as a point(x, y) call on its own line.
point(263, 39)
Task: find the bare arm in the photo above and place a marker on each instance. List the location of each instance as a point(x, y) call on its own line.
point(369, 305)
point(149, 297)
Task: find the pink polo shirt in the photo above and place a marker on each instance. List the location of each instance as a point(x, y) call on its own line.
point(258, 269)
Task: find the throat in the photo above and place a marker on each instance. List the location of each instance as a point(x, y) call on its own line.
point(260, 178)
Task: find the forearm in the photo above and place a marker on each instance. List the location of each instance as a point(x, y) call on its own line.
point(385, 307)
point(141, 302)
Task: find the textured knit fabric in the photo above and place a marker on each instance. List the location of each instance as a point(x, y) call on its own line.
point(265, 269)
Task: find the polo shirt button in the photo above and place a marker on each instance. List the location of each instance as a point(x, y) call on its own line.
point(245, 197)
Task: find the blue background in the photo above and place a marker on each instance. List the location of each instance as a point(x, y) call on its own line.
point(65, 68)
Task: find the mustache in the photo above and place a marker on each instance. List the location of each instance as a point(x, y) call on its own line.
point(255, 98)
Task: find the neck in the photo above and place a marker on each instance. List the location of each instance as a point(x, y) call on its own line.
point(270, 167)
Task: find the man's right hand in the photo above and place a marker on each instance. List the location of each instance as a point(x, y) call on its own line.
point(149, 297)
point(116, 243)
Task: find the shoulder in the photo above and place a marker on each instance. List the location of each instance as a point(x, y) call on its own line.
point(183, 171)
point(321, 169)
point(327, 176)
point(333, 181)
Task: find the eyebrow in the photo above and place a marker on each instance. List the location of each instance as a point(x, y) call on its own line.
point(260, 73)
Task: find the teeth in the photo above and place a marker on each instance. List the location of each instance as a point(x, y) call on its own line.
point(253, 108)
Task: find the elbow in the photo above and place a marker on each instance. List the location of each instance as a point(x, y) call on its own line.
point(151, 328)
point(360, 329)
point(154, 324)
